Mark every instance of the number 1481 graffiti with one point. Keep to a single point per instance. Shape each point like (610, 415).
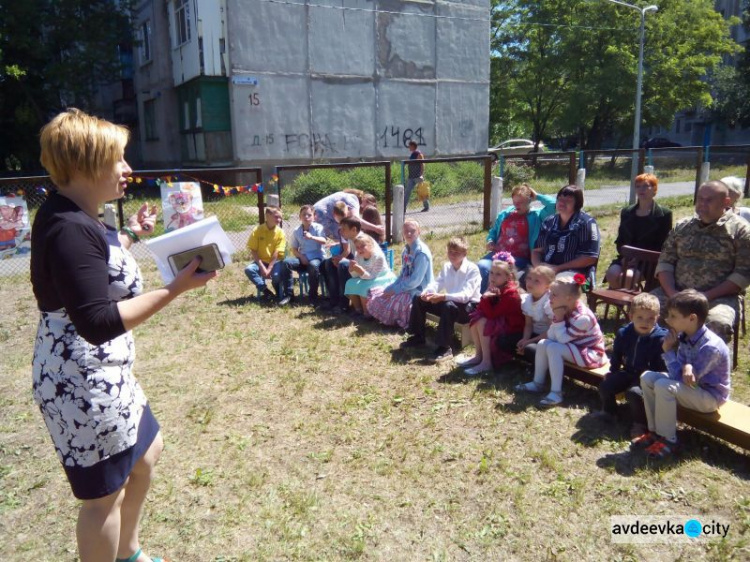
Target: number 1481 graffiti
(399, 138)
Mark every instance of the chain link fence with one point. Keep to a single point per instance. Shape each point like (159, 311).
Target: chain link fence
(234, 195)
(459, 194)
(299, 185)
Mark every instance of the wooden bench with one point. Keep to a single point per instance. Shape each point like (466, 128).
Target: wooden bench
(731, 422)
(463, 331)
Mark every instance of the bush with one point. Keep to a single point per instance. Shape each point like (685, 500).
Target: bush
(312, 186)
(368, 179)
(516, 174)
(470, 176)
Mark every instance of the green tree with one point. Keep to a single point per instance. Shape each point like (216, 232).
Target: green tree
(731, 86)
(54, 54)
(574, 62)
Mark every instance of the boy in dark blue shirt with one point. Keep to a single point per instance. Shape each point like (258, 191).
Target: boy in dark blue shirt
(637, 348)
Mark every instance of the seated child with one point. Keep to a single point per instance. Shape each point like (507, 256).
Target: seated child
(368, 269)
(497, 323)
(267, 244)
(336, 268)
(392, 305)
(451, 296)
(536, 309)
(307, 247)
(697, 377)
(637, 348)
(574, 336)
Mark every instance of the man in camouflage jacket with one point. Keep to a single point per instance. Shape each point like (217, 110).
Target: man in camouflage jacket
(710, 253)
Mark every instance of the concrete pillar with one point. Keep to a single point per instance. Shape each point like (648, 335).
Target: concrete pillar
(272, 199)
(397, 218)
(496, 198)
(110, 215)
(705, 171)
(581, 178)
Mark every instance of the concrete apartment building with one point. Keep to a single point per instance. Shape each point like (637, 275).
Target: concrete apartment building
(693, 127)
(258, 82)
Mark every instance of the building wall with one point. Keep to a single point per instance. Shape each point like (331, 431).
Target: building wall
(356, 78)
(154, 83)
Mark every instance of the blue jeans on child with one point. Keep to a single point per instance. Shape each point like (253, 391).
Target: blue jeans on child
(253, 273)
(335, 279)
(485, 264)
(313, 274)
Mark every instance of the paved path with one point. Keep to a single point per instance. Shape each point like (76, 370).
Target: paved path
(440, 220)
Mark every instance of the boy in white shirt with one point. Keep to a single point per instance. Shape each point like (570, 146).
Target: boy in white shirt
(451, 296)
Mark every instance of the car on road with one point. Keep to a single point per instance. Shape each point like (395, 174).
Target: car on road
(514, 147)
(660, 142)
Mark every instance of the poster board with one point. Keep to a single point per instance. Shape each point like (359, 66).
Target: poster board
(182, 204)
(15, 228)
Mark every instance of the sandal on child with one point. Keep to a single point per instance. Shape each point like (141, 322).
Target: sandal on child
(478, 370)
(662, 449)
(552, 399)
(468, 361)
(136, 556)
(528, 387)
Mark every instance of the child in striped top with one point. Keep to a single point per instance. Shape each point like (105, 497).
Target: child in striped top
(573, 336)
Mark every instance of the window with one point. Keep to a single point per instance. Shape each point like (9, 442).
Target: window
(149, 119)
(145, 41)
(182, 21)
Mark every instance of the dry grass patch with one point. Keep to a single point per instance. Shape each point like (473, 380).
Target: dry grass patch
(291, 435)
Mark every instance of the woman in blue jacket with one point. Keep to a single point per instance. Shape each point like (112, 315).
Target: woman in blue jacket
(516, 229)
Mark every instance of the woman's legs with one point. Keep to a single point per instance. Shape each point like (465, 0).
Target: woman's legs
(98, 527)
(135, 496)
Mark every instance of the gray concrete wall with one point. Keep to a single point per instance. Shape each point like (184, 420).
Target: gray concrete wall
(338, 79)
(153, 81)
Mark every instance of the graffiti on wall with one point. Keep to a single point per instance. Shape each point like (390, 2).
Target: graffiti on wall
(394, 136)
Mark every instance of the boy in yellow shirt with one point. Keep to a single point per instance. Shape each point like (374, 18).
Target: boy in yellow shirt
(267, 244)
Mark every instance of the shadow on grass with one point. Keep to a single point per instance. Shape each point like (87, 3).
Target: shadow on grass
(242, 301)
(694, 446)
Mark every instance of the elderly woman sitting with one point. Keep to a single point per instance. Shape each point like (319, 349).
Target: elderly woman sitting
(736, 187)
(516, 229)
(643, 225)
(568, 241)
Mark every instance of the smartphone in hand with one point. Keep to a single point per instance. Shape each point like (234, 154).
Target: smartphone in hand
(211, 259)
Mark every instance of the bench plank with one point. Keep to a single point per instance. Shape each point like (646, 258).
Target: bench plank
(731, 422)
(463, 330)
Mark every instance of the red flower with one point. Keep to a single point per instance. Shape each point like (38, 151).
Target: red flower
(579, 278)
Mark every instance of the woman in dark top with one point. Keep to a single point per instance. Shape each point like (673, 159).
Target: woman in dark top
(89, 292)
(568, 241)
(643, 225)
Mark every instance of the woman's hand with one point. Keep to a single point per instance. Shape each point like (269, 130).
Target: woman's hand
(187, 279)
(143, 222)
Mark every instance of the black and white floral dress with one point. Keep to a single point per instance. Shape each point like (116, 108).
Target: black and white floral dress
(94, 408)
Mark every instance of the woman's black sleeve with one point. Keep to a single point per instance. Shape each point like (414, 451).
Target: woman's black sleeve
(78, 264)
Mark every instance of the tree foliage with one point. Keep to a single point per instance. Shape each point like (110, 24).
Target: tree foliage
(731, 86)
(53, 54)
(571, 65)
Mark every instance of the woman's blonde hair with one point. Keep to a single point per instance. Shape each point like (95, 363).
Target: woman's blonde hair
(77, 143)
(508, 268)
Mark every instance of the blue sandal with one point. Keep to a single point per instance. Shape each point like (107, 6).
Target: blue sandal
(135, 557)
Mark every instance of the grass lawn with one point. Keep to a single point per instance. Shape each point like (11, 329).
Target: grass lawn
(291, 435)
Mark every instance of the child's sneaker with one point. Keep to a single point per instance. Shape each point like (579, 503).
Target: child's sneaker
(637, 429)
(643, 440)
(662, 449)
